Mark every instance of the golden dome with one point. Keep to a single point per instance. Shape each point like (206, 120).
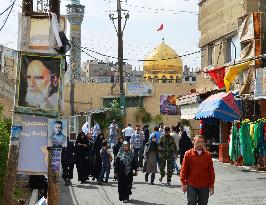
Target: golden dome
(163, 59)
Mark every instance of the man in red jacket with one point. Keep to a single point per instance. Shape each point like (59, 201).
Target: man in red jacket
(197, 173)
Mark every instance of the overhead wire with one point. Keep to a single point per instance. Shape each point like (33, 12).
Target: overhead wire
(7, 17)
(12, 4)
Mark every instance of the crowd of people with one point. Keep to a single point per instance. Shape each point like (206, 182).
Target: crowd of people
(134, 150)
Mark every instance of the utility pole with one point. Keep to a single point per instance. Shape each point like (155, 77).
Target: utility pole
(120, 31)
(120, 58)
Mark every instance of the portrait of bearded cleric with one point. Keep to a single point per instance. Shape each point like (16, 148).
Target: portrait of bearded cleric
(39, 82)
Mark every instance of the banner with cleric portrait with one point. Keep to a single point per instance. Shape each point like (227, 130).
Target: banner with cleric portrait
(39, 88)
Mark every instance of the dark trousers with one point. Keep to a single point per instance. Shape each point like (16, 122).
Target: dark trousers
(197, 196)
(152, 177)
(106, 171)
(67, 171)
(138, 154)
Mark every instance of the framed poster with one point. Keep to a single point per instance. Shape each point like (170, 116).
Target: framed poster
(168, 105)
(39, 89)
(57, 133)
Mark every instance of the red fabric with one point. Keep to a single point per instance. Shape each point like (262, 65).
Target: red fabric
(197, 170)
(217, 74)
(160, 28)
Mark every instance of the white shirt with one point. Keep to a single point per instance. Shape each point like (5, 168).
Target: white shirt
(96, 130)
(187, 129)
(128, 131)
(177, 138)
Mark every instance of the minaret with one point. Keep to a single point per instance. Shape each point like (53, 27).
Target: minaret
(75, 14)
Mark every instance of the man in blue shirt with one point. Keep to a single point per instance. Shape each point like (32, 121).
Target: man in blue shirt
(156, 134)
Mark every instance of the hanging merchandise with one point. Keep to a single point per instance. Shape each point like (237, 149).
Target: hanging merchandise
(201, 127)
(247, 149)
(234, 145)
(233, 72)
(217, 74)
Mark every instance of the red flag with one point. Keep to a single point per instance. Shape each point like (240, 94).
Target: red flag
(217, 74)
(160, 28)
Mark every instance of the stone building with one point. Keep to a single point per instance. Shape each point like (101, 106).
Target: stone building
(8, 64)
(219, 21)
(104, 72)
(94, 96)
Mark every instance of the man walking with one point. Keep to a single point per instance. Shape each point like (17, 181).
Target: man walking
(197, 173)
(128, 131)
(113, 131)
(137, 146)
(167, 152)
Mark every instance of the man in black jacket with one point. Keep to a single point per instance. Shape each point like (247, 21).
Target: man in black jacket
(68, 161)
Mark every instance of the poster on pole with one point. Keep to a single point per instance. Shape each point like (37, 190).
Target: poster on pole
(56, 161)
(57, 133)
(33, 154)
(168, 105)
(39, 84)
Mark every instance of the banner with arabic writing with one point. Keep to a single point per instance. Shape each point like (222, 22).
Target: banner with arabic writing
(33, 154)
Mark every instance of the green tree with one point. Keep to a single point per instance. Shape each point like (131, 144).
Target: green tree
(141, 115)
(5, 127)
(157, 119)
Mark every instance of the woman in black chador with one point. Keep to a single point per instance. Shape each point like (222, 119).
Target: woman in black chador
(97, 168)
(124, 166)
(81, 155)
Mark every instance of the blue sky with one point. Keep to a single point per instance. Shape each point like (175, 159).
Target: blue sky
(140, 37)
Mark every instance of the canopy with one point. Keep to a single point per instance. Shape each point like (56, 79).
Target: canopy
(220, 106)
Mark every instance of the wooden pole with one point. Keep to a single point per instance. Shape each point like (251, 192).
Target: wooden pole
(10, 179)
(53, 183)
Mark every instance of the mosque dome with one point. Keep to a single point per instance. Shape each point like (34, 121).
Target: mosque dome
(163, 59)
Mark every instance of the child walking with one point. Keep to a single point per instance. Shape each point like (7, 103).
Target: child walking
(106, 163)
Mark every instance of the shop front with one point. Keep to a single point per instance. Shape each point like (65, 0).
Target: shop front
(217, 113)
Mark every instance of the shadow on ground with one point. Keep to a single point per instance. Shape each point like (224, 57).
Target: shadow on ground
(134, 201)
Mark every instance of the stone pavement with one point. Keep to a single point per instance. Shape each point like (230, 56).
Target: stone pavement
(234, 185)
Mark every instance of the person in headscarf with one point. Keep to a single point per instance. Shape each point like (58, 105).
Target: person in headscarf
(89, 157)
(124, 166)
(150, 156)
(185, 144)
(81, 155)
(97, 168)
(116, 149)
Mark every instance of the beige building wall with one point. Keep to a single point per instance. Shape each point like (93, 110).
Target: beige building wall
(218, 21)
(91, 95)
(218, 18)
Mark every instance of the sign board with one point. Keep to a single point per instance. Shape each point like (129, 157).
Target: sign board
(33, 154)
(139, 89)
(260, 87)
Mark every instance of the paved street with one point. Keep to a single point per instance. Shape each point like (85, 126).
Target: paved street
(233, 185)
